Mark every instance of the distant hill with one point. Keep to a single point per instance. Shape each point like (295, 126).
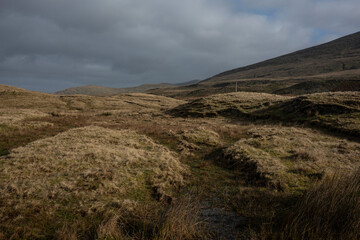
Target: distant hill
(88, 90)
(107, 91)
(332, 66)
(317, 69)
(338, 55)
(192, 82)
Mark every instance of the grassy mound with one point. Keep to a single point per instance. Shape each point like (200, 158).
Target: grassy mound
(149, 100)
(314, 86)
(12, 97)
(17, 98)
(353, 85)
(120, 104)
(193, 139)
(201, 136)
(16, 117)
(323, 104)
(336, 111)
(288, 158)
(230, 104)
(79, 174)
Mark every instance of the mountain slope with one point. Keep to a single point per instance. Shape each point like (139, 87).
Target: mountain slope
(88, 90)
(106, 91)
(338, 60)
(338, 55)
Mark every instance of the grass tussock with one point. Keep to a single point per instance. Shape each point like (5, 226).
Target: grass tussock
(191, 140)
(182, 222)
(15, 117)
(328, 211)
(288, 158)
(201, 136)
(78, 174)
(178, 221)
(260, 205)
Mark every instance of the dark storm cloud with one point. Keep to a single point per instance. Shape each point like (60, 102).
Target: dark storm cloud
(51, 44)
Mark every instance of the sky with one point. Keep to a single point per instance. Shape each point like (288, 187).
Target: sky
(50, 45)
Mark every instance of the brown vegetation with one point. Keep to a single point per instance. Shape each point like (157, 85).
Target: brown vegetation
(178, 221)
(329, 210)
(122, 167)
(238, 104)
(288, 158)
(334, 111)
(82, 172)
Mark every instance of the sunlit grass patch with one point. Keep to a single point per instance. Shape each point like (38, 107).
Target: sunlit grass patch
(288, 158)
(81, 172)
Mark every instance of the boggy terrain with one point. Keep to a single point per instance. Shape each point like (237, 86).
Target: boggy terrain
(139, 166)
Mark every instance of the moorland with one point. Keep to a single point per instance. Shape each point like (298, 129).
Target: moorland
(278, 159)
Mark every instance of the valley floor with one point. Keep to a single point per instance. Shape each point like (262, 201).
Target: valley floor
(139, 166)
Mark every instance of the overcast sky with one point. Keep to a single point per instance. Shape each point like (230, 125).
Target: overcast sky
(50, 45)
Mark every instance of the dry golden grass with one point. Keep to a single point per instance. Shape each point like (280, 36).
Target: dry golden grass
(15, 117)
(328, 211)
(26, 116)
(82, 172)
(16, 98)
(201, 136)
(128, 221)
(99, 169)
(120, 104)
(312, 105)
(191, 140)
(332, 111)
(12, 97)
(335, 111)
(178, 221)
(289, 158)
(347, 99)
(230, 104)
(31, 129)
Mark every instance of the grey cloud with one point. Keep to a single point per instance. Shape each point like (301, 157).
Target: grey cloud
(50, 45)
(338, 16)
(341, 17)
